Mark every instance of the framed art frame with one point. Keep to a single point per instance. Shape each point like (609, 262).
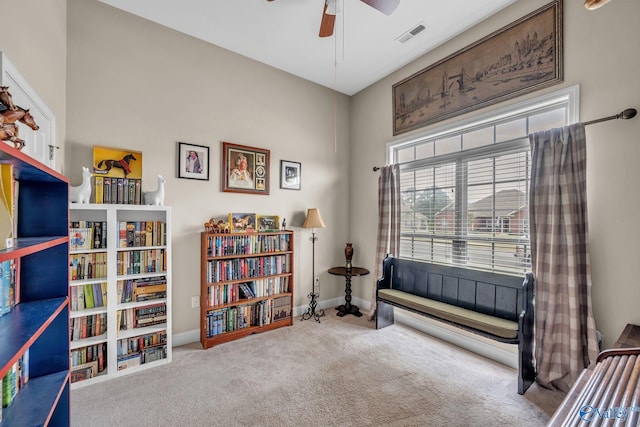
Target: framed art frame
(193, 161)
(245, 169)
(117, 162)
(290, 175)
(242, 222)
(268, 223)
(519, 58)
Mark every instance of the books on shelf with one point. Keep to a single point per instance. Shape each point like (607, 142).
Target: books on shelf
(222, 270)
(80, 238)
(142, 349)
(8, 288)
(141, 233)
(92, 356)
(137, 276)
(141, 261)
(7, 205)
(111, 190)
(85, 235)
(140, 317)
(88, 266)
(281, 308)
(14, 380)
(260, 313)
(89, 295)
(228, 293)
(143, 289)
(84, 372)
(246, 244)
(87, 326)
(246, 285)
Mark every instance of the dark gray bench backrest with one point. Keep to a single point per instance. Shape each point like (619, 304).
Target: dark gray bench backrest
(495, 294)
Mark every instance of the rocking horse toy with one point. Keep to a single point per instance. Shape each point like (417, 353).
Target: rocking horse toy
(123, 164)
(6, 99)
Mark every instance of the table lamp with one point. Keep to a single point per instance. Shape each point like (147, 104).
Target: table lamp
(313, 221)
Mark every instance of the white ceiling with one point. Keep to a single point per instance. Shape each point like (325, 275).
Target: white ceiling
(284, 33)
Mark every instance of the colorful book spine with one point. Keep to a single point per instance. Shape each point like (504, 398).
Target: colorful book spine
(7, 286)
(99, 189)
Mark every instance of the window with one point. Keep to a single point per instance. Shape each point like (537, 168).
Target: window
(465, 189)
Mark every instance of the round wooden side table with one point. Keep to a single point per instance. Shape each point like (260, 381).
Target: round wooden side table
(347, 307)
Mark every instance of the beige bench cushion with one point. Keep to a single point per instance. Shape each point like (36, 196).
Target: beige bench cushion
(494, 325)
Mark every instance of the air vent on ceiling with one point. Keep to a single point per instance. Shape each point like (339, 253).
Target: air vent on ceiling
(412, 33)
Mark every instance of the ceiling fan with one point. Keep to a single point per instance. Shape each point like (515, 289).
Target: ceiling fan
(327, 23)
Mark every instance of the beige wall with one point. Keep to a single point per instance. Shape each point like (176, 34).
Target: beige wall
(127, 89)
(600, 57)
(34, 38)
(135, 84)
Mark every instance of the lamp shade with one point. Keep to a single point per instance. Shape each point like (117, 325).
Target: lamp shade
(313, 219)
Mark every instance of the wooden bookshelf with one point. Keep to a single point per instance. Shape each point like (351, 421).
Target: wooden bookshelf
(38, 322)
(246, 284)
(123, 260)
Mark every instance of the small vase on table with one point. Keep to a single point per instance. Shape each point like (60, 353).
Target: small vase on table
(348, 254)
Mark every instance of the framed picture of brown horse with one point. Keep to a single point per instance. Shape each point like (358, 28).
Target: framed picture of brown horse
(117, 163)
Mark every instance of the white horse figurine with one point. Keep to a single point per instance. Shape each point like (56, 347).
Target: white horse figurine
(155, 197)
(82, 193)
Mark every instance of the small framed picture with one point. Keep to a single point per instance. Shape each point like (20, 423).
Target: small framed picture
(242, 222)
(268, 223)
(290, 175)
(193, 161)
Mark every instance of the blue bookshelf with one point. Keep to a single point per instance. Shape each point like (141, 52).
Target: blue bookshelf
(39, 322)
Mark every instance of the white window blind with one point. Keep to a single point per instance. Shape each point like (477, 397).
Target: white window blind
(465, 191)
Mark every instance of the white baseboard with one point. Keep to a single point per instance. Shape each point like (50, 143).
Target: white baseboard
(184, 338)
(332, 304)
(507, 354)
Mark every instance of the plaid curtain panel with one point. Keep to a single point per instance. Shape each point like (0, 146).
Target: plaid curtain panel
(565, 332)
(388, 222)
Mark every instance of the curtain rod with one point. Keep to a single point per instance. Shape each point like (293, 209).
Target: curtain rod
(629, 113)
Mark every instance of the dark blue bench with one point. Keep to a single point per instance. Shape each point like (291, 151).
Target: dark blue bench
(497, 306)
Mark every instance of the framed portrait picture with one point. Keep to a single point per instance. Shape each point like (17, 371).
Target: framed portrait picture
(245, 169)
(193, 161)
(290, 175)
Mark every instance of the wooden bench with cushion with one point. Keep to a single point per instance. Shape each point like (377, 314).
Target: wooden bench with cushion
(497, 306)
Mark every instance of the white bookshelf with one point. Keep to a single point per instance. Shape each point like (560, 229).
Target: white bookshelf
(113, 215)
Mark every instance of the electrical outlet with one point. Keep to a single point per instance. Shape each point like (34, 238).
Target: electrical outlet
(195, 301)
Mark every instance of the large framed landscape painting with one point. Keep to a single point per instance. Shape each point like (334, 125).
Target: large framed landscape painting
(524, 56)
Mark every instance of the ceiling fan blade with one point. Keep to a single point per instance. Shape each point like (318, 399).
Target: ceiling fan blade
(327, 23)
(385, 6)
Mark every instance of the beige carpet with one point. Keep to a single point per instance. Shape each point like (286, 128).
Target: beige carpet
(340, 372)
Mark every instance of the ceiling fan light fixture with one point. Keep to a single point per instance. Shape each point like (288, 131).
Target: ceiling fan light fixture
(594, 4)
